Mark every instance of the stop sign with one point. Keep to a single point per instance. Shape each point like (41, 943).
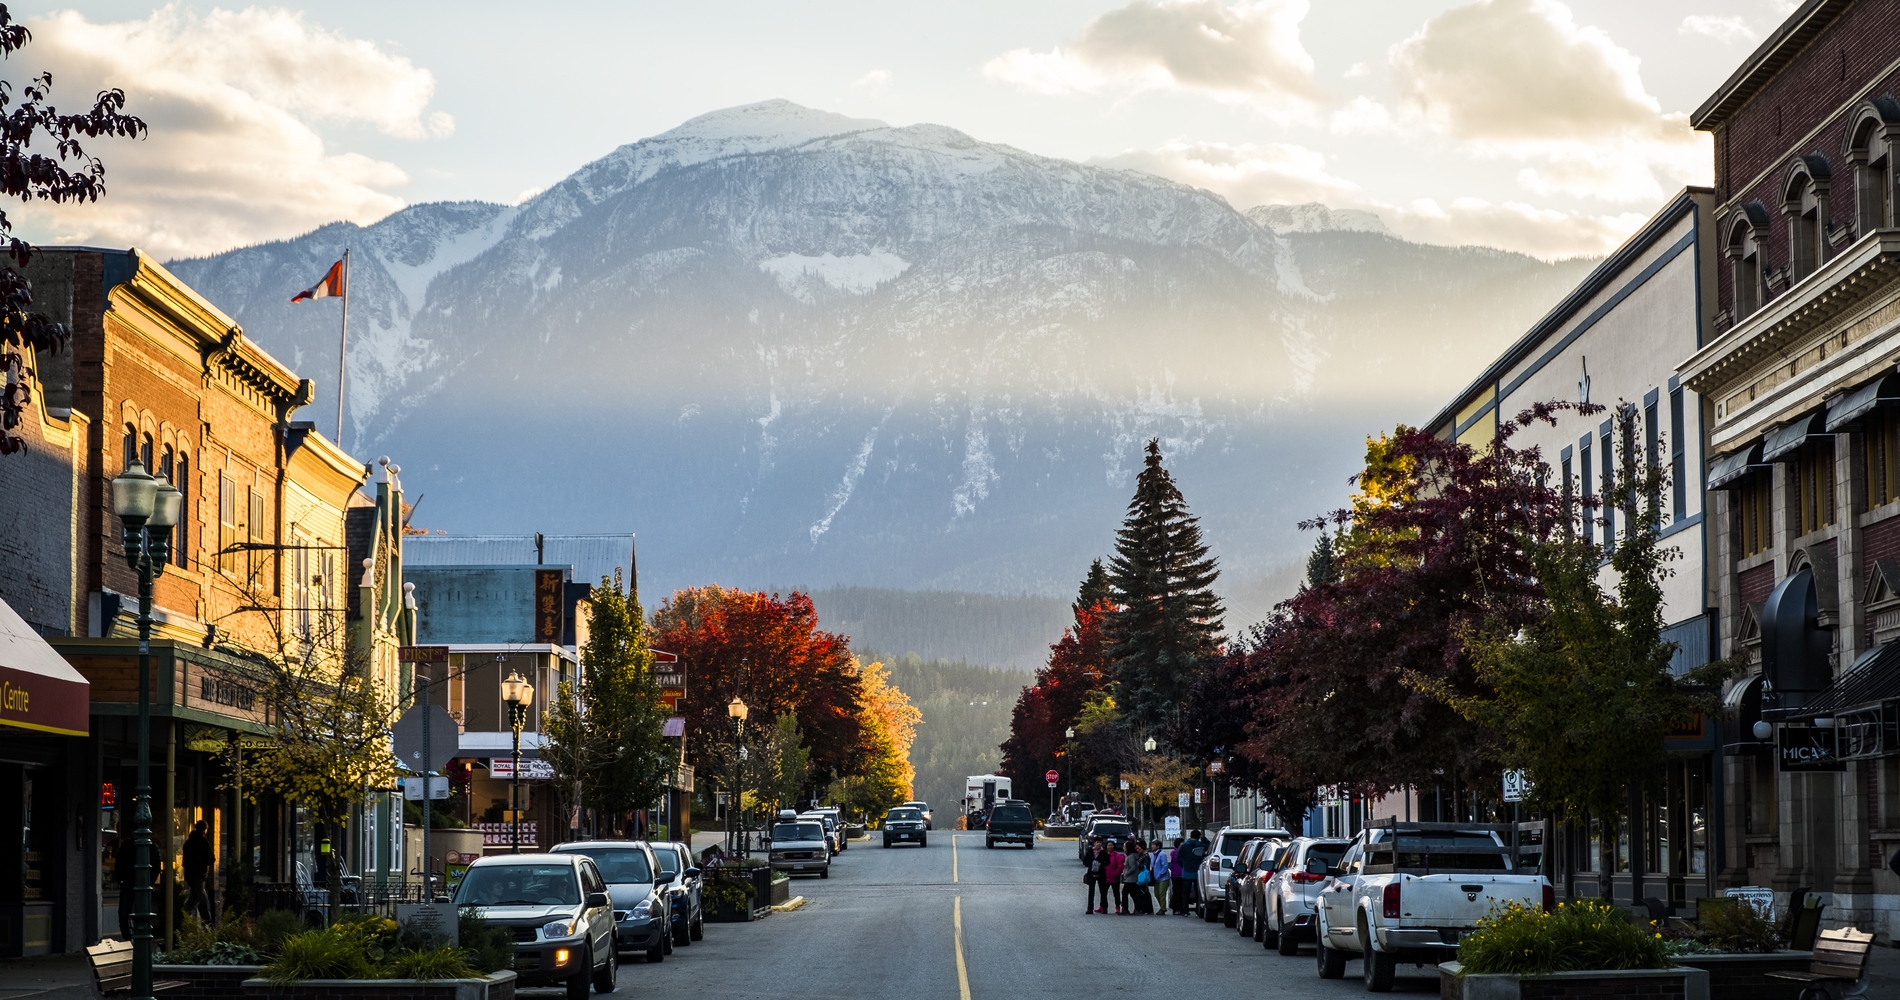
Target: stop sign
(1051, 776)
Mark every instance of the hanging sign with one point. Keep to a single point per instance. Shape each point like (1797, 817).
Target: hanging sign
(532, 769)
(1808, 748)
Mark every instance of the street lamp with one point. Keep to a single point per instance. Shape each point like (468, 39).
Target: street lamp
(737, 710)
(1150, 745)
(519, 694)
(1068, 755)
(147, 509)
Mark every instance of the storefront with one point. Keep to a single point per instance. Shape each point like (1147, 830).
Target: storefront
(43, 722)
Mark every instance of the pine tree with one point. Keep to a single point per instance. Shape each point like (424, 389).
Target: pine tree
(1321, 567)
(1095, 590)
(1168, 619)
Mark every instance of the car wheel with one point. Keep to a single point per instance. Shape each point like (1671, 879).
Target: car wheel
(685, 935)
(1289, 941)
(1332, 963)
(991, 844)
(826, 873)
(1260, 927)
(923, 841)
(667, 941)
(887, 841)
(1380, 966)
(607, 977)
(1227, 915)
(1031, 844)
(657, 953)
(578, 984)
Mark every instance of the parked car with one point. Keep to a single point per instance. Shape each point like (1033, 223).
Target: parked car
(905, 825)
(1108, 826)
(923, 807)
(686, 899)
(1292, 891)
(1251, 869)
(1211, 876)
(638, 887)
(1406, 893)
(559, 910)
(799, 847)
(837, 825)
(1011, 822)
(834, 834)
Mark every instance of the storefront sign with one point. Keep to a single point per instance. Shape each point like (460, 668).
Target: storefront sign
(422, 654)
(1808, 748)
(1691, 728)
(532, 769)
(548, 588)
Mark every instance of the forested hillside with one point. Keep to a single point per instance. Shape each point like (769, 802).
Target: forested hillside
(946, 625)
(966, 718)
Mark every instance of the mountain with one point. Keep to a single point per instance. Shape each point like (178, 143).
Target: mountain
(1013, 631)
(783, 344)
(1314, 217)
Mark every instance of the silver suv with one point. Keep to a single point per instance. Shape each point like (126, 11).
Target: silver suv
(558, 909)
(1221, 852)
(799, 846)
(1292, 892)
(638, 884)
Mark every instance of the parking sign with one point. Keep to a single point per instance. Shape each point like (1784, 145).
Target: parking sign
(1516, 786)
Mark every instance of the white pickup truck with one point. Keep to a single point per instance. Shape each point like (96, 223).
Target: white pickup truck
(1407, 893)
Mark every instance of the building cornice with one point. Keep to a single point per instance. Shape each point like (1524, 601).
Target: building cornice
(221, 345)
(1769, 58)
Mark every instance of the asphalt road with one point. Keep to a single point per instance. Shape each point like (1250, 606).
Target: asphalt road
(896, 924)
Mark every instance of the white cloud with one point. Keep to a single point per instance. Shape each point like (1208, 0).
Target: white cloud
(1726, 29)
(1246, 175)
(876, 79)
(1248, 52)
(232, 99)
(1521, 79)
(1540, 232)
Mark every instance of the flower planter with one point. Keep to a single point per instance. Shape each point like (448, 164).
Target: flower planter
(205, 982)
(1745, 977)
(780, 890)
(1659, 984)
(496, 986)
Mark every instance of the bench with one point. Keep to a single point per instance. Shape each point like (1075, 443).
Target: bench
(1840, 959)
(111, 962)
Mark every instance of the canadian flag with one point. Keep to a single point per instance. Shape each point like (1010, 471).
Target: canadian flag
(330, 287)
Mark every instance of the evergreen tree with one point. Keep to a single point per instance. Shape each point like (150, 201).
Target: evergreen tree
(1167, 621)
(1095, 591)
(1321, 567)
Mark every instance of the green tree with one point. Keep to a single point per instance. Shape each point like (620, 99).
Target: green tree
(1168, 620)
(1321, 567)
(784, 763)
(605, 735)
(1095, 592)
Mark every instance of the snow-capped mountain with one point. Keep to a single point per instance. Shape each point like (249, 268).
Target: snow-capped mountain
(786, 345)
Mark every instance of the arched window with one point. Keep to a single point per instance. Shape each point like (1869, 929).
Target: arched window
(1876, 125)
(130, 446)
(145, 451)
(181, 535)
(1804, 202)
(1747, 237)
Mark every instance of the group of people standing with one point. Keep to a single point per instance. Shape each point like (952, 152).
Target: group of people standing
(1125, 871)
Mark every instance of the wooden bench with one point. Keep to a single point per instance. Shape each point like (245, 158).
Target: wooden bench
(1840, 959)
(111, 962)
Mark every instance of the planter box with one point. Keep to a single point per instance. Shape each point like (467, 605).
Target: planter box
(780, 890)
(1659, 984)
(497, 986)
(769, 888)
(205, 982)
(1745, 977)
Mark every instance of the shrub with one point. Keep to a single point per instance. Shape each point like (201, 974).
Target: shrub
(489, 949)
(273, 928)
(322, 954)
(445, 962)
(1585, 934)
(1733, 925)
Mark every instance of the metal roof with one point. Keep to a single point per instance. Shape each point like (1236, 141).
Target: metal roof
(592, 556)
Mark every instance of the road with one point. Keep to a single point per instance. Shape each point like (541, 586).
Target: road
(896, 925)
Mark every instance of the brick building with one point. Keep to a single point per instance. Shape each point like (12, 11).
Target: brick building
(1800, 392)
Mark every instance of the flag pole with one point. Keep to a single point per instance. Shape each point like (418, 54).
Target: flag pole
(343, 348)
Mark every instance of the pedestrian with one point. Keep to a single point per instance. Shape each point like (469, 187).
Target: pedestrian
(1160, 860)
(1177, 874)
(1096, 875)
(1116, 861)
(1191, 871)
(198, 864)
(123, 858)
(1135, 879)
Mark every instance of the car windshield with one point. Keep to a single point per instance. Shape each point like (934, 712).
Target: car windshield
(1015, 814)
(519, 885)
(669, 859)
(798, 831)
(619, 865)
(1231, 844)
(1329, 853)
(1111, 831)
(903, 815)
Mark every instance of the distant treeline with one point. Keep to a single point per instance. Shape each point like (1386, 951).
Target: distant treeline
(966, 718)
(947, 625)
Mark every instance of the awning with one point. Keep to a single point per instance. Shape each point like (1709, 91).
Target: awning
(1782, 444)
(38, 689)
(1874, 676)
(1726, 472)
(1854, 405)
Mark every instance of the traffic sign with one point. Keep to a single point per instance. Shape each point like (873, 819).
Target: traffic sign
(1052, 777)
(443, 737)
(412, 788)
(1052, 784)
(1517, 787)
(1182, 800)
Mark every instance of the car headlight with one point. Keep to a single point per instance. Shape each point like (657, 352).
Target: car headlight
(561, 928)
(642, 909)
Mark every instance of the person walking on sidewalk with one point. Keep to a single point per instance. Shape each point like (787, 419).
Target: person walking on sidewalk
(199, 861)
(1096, 876)
(1135, 877)
(1160, 865)
(1116, 862)
(1177, 861)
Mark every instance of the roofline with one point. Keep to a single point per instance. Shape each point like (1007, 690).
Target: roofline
(1555, 320)
(1767, 60)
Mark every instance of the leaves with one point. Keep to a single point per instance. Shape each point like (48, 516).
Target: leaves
(606, 736)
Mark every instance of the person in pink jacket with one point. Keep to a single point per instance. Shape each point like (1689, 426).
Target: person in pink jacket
(1116, 861)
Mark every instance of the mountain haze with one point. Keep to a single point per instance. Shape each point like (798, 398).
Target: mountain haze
(783, 344)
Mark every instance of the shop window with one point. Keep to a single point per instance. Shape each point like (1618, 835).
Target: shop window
(1754, 512)
(1882, 437)
(1814, 484)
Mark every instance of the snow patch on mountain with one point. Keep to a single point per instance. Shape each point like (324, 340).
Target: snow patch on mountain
(1314, 217)
(852, 473)
(859, 274)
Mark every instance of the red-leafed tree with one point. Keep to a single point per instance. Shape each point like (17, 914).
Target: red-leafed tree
(770, 652)
(1077, 669)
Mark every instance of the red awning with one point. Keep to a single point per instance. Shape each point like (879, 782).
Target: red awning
(38, 688)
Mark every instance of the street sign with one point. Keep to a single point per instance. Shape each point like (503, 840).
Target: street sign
(532, 769)
(1052, 784)
(443, 737)
(1200, 796)
(412, 788)
(1051, 777)
(1172, 826)
(1124, 784)
(1182, 800)
(1517, 787)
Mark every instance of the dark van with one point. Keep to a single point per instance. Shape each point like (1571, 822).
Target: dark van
(1011, 822)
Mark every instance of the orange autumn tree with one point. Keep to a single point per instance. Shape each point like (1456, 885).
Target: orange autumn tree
(888, 727)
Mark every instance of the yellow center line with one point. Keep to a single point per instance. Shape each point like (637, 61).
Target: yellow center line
(953, 857)
(956, 923)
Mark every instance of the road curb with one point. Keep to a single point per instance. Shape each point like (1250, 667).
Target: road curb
(789, 905)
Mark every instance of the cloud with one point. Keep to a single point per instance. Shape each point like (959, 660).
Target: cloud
(1521, 79)
(1248, 52)
(876, 79)
(233, 100)
(1246, 175)
(1540, 232)
(1727, 29)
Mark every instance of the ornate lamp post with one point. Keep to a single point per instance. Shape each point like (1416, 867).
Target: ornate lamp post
(147, 509)
(737, 710)
(519, 694)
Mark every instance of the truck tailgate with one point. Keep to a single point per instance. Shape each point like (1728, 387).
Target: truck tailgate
(1461, 900)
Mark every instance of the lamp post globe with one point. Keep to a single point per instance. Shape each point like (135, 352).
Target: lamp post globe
(519, 694)
(736, 709)
(1150, 745)
(134, 493)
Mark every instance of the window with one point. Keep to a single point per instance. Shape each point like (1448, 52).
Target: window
(1747, 234)
(255, 535)
(1754, 509)
(1678, 456)
(145, 451)
(1873, 190)
(300, 586)
(1804, 203)
(1883, 457)
(181, 535)
(1609, 488)
(1652, 435)
(129, 446)
(1569, 479)
(227, 521)
(168, 471)
(1589, 516)
(1814, 479)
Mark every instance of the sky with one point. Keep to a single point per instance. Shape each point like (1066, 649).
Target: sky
(1550, 128)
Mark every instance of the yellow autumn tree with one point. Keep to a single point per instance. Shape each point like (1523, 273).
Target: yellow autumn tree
(888, 723)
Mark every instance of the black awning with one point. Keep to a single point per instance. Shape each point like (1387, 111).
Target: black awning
(1782, 443)
(1883, 391)
(1874, 676)
(1726, 472)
